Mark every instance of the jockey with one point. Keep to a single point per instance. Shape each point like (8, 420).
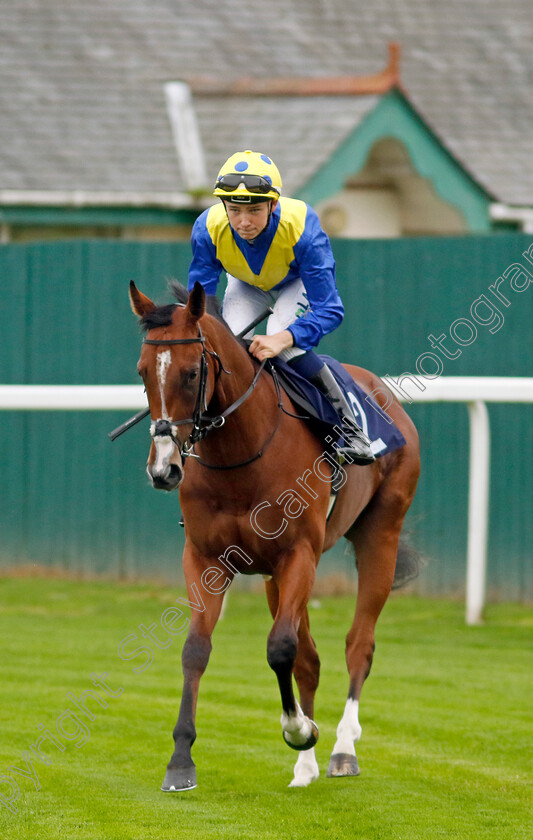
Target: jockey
(275, 253)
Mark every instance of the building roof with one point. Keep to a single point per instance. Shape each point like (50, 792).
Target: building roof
(83, 102)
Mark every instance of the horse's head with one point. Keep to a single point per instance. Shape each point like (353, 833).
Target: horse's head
(178, 381)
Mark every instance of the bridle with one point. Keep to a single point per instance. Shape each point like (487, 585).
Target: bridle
(203, 423)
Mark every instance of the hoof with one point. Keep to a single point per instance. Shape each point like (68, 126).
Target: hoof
(342, 764)
(305, 745)
(177, 778)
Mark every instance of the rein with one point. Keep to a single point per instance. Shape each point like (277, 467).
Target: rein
(203, 423)
(235, 405)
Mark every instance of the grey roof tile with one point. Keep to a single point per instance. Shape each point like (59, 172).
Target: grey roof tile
(83, 107)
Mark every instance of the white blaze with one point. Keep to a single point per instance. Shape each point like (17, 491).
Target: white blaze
(164, 448)
(162, 366)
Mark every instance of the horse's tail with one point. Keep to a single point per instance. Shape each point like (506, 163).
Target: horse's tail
(409, 561)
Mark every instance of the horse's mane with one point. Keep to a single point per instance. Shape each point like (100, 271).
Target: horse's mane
(161, 316)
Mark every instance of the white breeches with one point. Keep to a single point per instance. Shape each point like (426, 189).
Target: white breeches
(243, 302)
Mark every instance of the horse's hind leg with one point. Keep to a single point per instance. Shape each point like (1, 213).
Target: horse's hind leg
(375, 539)
(294, 581)
(306, 672)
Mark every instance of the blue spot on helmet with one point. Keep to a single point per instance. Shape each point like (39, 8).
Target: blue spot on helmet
(250, 163)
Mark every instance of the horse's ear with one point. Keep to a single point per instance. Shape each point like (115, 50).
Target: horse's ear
(196, 302)
(140, 304)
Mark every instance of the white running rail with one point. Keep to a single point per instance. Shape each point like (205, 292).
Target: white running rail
(475, 391)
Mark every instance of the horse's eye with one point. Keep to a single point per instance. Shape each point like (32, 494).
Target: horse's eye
(191, 376)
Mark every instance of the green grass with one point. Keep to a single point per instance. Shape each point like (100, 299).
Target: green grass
(446, 718)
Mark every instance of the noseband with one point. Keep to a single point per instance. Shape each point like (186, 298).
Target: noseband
(201, 422)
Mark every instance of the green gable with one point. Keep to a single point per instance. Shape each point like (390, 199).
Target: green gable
(396, 117)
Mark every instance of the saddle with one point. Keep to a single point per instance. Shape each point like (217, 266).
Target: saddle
(321, 416)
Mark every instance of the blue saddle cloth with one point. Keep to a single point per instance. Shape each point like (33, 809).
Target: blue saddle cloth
(383, 434)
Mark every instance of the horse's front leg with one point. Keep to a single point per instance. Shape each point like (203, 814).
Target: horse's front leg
(294, 583)
(181, 771)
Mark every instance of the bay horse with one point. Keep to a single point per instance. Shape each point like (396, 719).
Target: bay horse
(254, 485)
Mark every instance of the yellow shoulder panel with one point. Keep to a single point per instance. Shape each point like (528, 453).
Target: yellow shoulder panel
(281, 252)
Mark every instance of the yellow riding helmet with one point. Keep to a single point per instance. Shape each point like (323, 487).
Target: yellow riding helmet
(247, 177)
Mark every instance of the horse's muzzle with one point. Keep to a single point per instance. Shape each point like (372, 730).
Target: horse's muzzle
(168, 480)
(164, 467)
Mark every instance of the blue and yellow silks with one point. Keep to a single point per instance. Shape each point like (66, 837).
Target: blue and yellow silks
(292, 246)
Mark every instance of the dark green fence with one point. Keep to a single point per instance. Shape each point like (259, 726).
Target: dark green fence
(73, 500)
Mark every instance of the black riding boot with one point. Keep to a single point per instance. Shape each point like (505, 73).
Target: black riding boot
(356, 444)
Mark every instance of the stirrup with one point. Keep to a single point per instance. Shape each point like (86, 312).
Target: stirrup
(354, 456)
(356, 447)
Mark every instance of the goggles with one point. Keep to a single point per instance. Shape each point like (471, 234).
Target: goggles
(253, 183)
